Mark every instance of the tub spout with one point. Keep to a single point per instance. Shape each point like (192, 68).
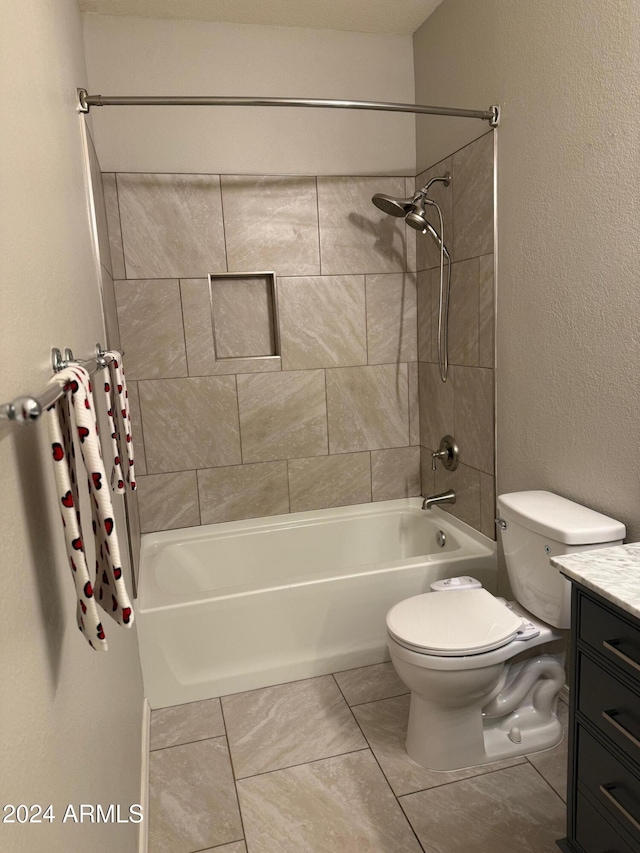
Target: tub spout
(443, 498)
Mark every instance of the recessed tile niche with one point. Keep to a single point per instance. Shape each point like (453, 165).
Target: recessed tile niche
(244, 315)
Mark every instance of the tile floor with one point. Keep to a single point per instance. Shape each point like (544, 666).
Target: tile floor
(319, 766)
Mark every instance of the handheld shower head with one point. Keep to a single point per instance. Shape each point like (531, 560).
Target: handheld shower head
(392, 206)
(417, 217)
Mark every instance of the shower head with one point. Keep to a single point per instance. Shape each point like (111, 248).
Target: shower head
(417, 217)
(392, 206)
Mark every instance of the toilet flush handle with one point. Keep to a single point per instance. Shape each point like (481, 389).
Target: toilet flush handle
(501, 523)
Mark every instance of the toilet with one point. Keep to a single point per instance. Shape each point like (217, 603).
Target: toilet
(485, 674)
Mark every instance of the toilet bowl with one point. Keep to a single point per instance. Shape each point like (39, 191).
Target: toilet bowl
(485, 674)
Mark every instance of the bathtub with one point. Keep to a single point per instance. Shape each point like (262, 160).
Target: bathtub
(230, 607)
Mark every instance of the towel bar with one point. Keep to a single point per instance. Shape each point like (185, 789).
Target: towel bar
(26, 409)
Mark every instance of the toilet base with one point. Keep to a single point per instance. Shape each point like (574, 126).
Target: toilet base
(518, 717)
(536, 735)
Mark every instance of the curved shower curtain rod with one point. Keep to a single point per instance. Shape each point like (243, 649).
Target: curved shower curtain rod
(86, 101)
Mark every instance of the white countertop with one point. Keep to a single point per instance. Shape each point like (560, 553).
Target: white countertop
(614, 573)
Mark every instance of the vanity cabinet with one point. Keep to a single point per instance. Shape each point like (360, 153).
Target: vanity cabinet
(603, 803)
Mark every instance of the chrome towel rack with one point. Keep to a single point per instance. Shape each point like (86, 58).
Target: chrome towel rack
(24, 410)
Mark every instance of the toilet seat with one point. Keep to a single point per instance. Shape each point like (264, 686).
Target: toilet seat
(453, 624)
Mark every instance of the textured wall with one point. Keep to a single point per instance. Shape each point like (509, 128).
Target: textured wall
(335, 420)
(70, 718)
(568, 251)
(138, 56)
(464, 405)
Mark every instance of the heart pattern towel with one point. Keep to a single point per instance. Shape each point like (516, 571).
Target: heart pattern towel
(73, 433)
(119, 419)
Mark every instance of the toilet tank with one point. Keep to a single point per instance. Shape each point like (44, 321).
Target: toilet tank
(540, 525)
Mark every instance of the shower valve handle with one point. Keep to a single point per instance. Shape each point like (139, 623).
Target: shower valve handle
(447, 452)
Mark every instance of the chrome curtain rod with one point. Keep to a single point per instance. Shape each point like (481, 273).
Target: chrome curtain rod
(86, 101)
(24, 410)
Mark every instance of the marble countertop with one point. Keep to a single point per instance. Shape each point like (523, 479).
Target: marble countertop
(614, 573)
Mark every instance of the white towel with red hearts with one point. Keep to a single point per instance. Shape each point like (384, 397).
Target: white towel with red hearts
(119, 419)
(73, 432)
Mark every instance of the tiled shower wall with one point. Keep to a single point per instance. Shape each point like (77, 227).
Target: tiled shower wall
(464, 405)
(335, 420)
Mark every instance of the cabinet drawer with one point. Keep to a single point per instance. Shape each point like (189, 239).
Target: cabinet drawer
(611, 636)
(611, 706)
(593, 833)
(610, 784)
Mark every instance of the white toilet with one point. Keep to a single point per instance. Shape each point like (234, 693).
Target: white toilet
(485, 674)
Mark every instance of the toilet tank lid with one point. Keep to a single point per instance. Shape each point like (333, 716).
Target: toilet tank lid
(560, 519)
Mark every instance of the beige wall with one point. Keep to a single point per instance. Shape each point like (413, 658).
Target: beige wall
(70, 718)
(138, 56)
(568, 251)
(334, 419)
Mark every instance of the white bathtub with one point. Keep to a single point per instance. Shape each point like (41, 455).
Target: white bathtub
(245, 604)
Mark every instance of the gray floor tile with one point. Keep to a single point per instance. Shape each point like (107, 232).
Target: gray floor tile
(236, 847)
(289, 724)
(338, 805)
(192, 798)
(552, 763)
(369, 683)
(185, 723)
(384, 724)
(502, 812)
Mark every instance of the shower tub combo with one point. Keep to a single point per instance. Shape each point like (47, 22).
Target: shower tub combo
(235, 606)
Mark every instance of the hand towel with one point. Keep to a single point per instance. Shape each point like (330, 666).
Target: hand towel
(119, 416)
(73, 428)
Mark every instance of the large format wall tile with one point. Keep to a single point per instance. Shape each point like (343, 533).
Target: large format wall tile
(395, 473)
(282, 415)
(110, 310)
(356, 237)
(190, 423)
(171, 225)
(167, 501)
(474, 416)
(391, 318)
(486, 312)
(150, 320)
(411, 235)
(113, 224)
(465, 482)
(425, 318)
(427, 250)
(436, 405)
(243, 491)
(428, 476)
(184, 816)
(322, 321)
(198, 326)
(473, 199)
(332, 806)
(368, 407)
(198, 335)
(137, 435)
(463, 313)
(325, 481)
(414, 403)
(271, 223)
